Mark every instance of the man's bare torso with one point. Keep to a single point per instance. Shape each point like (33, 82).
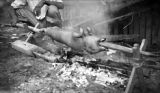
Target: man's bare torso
(31, 3)
(20, 3)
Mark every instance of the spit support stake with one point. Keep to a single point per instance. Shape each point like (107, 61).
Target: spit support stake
(137, 72)
(30, 34)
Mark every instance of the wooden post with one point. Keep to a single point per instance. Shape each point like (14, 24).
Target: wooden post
(143, 45)
(137, 71)
(131, 82)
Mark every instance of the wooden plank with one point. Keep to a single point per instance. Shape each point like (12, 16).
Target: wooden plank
(125, 31)
(131, 27)
(116, 28)
(136, 27)
(143, 45)
(149, 28)
(136, 71)
(131, 82)
(158, 33)
(155, 27)
(158, 36)
(142, 25)
(141, 80)
(112, 28)
(120, 28)
(125, 27)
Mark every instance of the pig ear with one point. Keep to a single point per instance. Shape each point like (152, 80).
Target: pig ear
(81, 30)
(78, 35)
(89, 31)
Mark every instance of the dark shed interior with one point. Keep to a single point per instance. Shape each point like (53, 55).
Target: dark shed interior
(116, 17)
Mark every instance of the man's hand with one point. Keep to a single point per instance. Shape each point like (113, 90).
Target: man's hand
(37, 9)
(35, 29)
(58, 3)
(43, 12)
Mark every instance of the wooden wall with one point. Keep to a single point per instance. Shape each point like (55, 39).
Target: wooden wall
(90, 12)
(145, 24)
(83, 13)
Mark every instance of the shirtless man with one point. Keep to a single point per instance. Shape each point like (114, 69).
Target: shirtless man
(40, 11)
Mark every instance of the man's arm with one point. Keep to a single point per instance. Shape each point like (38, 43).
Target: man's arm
(58, 3)
(18, 4)
(38, 7)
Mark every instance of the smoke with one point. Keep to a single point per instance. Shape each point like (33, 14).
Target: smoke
(83, 13)
(93, 13)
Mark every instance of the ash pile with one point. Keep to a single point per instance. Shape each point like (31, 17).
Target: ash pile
(81, 74)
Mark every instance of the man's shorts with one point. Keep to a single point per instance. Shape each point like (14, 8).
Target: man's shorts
(25, 14)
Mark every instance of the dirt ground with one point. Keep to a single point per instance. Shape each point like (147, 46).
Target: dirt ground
(23, 74)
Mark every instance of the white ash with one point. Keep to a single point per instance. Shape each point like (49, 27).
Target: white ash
(78, 75)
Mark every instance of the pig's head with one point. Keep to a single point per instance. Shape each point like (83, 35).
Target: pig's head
(90, 41)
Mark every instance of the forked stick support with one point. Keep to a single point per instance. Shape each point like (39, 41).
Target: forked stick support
(137, 72)
(30, 34)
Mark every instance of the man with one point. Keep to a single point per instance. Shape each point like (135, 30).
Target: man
(43, 12)
(40, 11)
